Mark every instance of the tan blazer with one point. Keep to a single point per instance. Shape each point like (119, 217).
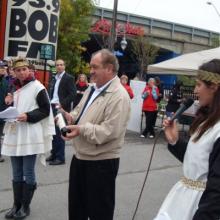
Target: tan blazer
(103, 125)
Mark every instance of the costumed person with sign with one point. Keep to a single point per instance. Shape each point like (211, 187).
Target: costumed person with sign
(26, 137)
(197, 195)
(100, 121)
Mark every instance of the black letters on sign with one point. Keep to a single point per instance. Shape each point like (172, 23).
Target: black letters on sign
(37, 3)
(17, 28)
(19, 2)
(36, 26)
(56, 5)
(53, 29)
(14, 46)
(38, 34)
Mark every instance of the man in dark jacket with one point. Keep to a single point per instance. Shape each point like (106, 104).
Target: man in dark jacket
(3, 93)
(174, 99)
(62, 93)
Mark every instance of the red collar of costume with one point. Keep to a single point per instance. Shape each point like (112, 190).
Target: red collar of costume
(18, 84)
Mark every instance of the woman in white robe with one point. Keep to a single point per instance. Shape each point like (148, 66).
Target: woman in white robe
(26, 137)
(197, 195)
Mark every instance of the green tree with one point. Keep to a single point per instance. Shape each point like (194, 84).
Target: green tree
(187, 80)
(74, 27)
(145, 54)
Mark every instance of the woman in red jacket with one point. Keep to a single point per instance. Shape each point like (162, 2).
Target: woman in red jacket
(81, 86)
(150, 96)
(124, 82)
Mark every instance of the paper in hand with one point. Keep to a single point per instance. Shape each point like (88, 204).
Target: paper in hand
(9, 113)
(162, 216)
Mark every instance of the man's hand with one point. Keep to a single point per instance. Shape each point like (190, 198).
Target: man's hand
(74, 132)
(68, 117)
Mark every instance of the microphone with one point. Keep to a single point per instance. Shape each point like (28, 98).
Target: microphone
(185, 105)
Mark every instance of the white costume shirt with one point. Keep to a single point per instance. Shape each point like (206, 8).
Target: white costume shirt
(182, 202)
(24, 138)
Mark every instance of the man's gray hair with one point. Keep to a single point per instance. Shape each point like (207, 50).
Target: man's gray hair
(108, 58)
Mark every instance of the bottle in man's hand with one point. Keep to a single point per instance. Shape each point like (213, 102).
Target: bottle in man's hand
(62, 124)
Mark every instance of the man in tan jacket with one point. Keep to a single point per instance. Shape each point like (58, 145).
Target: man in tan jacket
(100, 122)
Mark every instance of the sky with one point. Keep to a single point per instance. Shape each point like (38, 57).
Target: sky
(195, 13)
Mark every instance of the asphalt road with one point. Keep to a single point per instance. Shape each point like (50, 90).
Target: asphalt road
(50, 199)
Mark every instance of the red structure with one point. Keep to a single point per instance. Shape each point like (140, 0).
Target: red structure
(103, 26)
(3, 13)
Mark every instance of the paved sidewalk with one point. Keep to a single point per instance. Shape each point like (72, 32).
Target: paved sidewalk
(50, 199)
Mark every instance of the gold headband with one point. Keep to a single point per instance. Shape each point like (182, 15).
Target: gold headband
(208, 76)
(20, 62)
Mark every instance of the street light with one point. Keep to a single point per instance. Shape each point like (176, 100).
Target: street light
(213, 5)
(123, 43)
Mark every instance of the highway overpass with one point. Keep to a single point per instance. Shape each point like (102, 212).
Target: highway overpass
(167, 35)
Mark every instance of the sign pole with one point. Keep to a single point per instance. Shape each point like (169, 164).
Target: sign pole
(46, 53)
(45, 72)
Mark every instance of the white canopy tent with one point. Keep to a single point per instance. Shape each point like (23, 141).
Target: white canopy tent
(186, 64)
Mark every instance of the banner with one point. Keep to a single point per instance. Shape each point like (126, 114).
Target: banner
(134, 123)
(31, 24)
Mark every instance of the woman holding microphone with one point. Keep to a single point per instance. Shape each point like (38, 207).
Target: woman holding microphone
(197, 195)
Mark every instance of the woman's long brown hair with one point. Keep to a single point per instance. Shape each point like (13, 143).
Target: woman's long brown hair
(207, 116)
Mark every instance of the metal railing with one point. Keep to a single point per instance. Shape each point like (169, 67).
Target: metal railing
(187, 91)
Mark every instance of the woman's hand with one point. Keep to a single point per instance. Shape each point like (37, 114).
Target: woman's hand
(22, 117)
(171, 131)
(9, 99)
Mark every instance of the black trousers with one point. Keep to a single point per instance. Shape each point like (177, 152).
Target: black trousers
(92, 189)
(2, 123)
(58, 144)
(150, 121)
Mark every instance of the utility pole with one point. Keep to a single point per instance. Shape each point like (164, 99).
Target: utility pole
(113, 29)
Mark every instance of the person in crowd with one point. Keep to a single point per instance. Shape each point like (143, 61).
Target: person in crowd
(149, 107)
(26, 137)
(174, 99)
(98, 132)
(81, 85)
(11, 75)
(91, 81)
(197, 195)
(3, 93)
(32, 70)
(160, 96)
(124, 82)
(62, 93)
